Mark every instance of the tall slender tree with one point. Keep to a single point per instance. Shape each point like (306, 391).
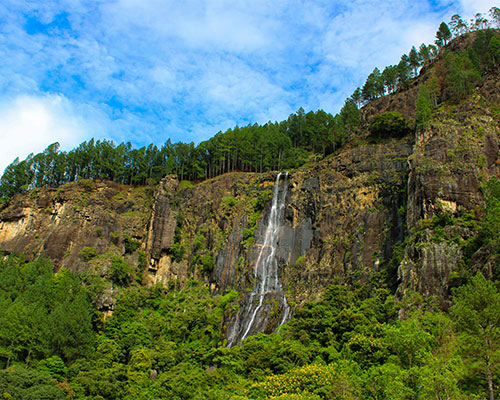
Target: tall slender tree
(414, 59)
(457, 25)
(443, 35)
(475, 311)
(495, 16)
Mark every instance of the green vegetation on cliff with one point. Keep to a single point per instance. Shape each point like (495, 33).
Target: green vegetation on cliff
(167, 343)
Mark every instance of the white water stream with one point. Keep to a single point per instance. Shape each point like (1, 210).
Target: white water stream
(266, 267)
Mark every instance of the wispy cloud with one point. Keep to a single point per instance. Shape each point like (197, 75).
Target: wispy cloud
(147, 70)
(469, 8)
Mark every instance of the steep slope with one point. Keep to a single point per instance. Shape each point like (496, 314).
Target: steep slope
(395, 209)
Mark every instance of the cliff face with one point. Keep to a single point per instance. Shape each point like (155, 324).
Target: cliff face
(344, 216)
(61, 223)
(341, 218)
(452, 159)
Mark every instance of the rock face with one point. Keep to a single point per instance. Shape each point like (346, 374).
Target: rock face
(340, 219)
(61, 223)
(161, 229)
(453, 157)
(267, 299)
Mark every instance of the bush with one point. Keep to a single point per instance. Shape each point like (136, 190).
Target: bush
(389, 124)
(177, 251)
(120, 271)
(23, 383)
(130, 244)
(54, 367)
(208, 263)
(88, 253)
(228, 202)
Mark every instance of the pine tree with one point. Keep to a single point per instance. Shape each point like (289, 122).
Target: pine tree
(374, 86)
(414, 59)
(476, 315)
(424, 54)
(390, 77)
(443, 35)
(458, 26)
(495, 16)
(356, 96)
(404, 70)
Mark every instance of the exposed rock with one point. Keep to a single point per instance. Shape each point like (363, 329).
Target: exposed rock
(61, 223)
(162, 226)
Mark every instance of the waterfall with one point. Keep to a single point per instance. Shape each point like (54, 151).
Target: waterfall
(253, 317)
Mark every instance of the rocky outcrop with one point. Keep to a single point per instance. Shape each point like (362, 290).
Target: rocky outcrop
(60, 223)
(453, 157)
(161, 230)
(340, 221)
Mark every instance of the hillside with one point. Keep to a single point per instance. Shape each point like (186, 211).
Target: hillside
(378, 248)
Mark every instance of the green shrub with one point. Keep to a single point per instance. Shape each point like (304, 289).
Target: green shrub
(87, 184)
(185, 185)
(177, 251)
(199, 242)
(130, 244)
(389, 124)
(207, 262)
(54, 367)
(228, 202)
(88, 253)
(262, 199)
(120, 271)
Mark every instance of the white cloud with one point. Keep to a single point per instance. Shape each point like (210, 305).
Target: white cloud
(233, 25)
(29, 124)
(471, 7)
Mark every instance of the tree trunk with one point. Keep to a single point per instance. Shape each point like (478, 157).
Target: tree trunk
(490, 378)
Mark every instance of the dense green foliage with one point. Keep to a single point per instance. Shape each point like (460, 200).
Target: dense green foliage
(163, 342)
(168, 343)
(389, 124)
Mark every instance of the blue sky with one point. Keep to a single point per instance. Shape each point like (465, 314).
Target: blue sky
(145, 71)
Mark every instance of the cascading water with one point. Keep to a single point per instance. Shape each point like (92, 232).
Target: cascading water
(253, 317)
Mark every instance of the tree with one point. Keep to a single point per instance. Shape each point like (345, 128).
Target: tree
(494, 49)
(433, 51)
(356, 96)
(424, 54)
(443, 35)
(475, 311)
(23, 383)
(374, 86)
(414, 59)
(495, 16)
(462, 75)
(479, 22)
(458, 26)
(390, 78)
(424, 108)
(404, 70)
(350, 114)
(434, 90)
